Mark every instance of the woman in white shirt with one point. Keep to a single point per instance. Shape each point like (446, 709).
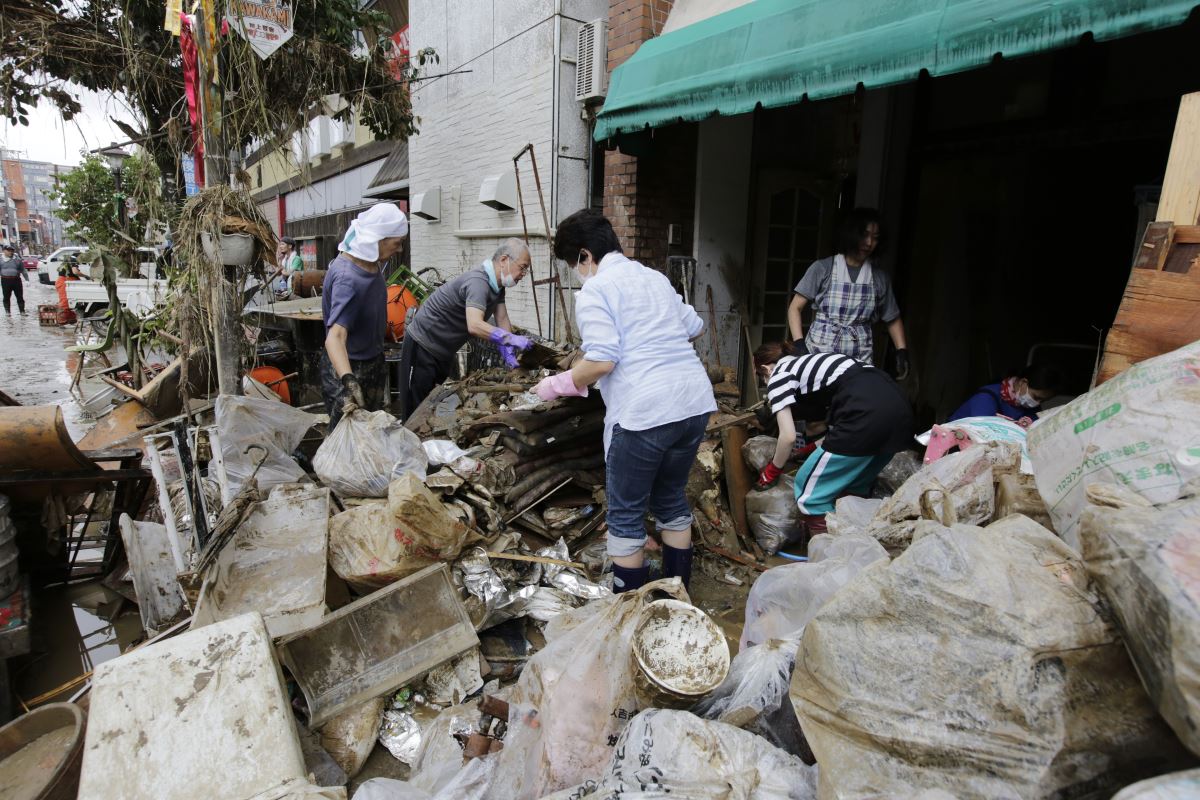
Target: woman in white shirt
(637, 335)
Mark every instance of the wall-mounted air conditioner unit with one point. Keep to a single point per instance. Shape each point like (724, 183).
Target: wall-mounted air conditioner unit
(591, 61)
(341, 134)
(319, 137)
(427, 205)
(499, 191)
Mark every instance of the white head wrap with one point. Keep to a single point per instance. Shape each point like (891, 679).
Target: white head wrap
(380, 221)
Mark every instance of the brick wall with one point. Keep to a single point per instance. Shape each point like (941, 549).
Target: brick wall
(644, 194)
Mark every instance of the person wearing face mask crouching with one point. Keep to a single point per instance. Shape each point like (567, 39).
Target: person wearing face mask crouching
(637, 335)
(1018, 397)
(458, 310)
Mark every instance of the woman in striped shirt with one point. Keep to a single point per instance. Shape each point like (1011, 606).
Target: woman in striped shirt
(869, 419)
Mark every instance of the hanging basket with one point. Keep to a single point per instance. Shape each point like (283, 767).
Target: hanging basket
(235, 249)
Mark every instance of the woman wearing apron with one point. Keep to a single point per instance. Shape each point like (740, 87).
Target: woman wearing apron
(848, 294)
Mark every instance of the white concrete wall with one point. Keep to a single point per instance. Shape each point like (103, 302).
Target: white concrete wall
(723, 154)
(472, 124)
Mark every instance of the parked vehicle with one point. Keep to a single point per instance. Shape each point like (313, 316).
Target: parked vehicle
(30, 262)
(48, 267)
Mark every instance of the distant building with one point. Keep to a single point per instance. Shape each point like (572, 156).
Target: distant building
(30, 214)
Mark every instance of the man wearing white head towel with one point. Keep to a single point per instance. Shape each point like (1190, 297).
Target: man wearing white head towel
(354, 307)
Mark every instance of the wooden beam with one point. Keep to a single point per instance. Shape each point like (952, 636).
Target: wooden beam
(1180, 199)
(738, 480)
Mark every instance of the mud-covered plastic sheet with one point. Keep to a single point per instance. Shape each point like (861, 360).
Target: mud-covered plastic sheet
(667, 754)
(979, 663)
(366, 451)
(1147, 563)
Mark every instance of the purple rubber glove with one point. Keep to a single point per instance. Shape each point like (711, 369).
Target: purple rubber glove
(510, 339)
(509, 354)
(560, 385)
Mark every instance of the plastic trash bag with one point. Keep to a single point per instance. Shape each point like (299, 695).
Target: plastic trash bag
(666, 754)
(754, 696)
(275, 426)
(783, 599)
(1176, 786)
(1139, 429)
(852, 515)
(574, 697)
(469, 783)
(442, 451)
(350, 736)
(758, 450)
(902, 467)
(365, 452)
(375, 544)
(1147, 563)
(979, 663)
(774, 516)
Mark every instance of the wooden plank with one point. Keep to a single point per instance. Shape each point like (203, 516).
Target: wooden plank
(1159, 312)
(1180, 199)
(1153, 251)
(738, 480)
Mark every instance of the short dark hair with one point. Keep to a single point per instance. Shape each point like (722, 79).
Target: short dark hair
(771, 352)
(586, 229)
(289, 241)
(852, 228)
(1044, 377)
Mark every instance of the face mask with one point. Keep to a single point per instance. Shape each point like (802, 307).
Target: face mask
(1026, 400)
(507, 281)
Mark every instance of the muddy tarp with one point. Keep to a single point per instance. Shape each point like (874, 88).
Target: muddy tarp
(979, 663)
(1147, 563)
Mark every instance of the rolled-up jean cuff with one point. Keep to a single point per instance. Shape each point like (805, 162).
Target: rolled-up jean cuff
(675, 523)
(621, 546)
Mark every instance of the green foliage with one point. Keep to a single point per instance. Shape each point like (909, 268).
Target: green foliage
(90, 203)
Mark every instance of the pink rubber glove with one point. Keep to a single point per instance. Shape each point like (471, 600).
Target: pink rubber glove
(560, 385)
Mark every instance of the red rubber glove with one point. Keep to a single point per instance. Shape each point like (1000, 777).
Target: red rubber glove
(768, 477)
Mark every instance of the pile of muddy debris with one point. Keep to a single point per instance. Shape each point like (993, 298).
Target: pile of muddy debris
(408, 612)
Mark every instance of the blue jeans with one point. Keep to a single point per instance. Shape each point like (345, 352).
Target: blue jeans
(649, 470)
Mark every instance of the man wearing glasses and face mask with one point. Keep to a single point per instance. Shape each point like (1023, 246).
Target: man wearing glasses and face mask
(458, 310)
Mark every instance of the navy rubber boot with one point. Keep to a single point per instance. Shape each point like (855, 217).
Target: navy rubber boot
(627, 579)
(677, 563)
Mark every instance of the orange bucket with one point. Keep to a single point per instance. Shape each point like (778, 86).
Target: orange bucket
(399, 301)
(267, 376)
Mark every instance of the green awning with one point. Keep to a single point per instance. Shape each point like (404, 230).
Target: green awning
(776, 52)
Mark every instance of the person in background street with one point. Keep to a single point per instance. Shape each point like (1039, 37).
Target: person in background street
(12, 272)
(456, 311)
(868, 415)
(289, 260)
(1018, 397)
(848, 293)
(637, 335)
(354, 307)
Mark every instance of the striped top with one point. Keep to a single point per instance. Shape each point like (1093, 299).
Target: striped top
(797, 376)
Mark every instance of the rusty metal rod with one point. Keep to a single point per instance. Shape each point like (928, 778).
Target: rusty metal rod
(525, 228)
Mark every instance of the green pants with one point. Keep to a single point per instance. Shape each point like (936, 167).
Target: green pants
(825, 477)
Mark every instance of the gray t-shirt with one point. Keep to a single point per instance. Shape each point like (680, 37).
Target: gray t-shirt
(356, 300)
(815, 284)
(12, 268)
(440, 323)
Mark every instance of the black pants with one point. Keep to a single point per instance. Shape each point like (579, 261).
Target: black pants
(371, 375)
(420, 371)
(13, 286)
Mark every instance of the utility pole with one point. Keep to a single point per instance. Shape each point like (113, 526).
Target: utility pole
(227, 332)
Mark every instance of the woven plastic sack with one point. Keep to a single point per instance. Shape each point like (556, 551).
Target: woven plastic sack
(575, 697)
(375, 544)
(978, 663)
(754, 696)
(273, 426)
(667, 754)
(366, 450)
(1139, 429)
(774, 517)
(783, 599)
(1147, 563)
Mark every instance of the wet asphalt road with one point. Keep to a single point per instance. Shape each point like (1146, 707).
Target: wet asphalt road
(33, 366)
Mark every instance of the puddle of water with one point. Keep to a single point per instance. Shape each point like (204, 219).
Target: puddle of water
(74, 630)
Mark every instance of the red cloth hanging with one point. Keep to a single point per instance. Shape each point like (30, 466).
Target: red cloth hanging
(191, 87)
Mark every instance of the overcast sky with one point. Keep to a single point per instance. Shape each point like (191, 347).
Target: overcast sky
(49, 138)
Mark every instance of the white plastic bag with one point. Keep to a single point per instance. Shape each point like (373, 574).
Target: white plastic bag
(574, 697)
(785, 598)
(852, 515)
(442, 451)
(366, 450)
(754, 696)
(774, 516)
(275, 426)
(1139, 429)
(469, 783)
(667, 754)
